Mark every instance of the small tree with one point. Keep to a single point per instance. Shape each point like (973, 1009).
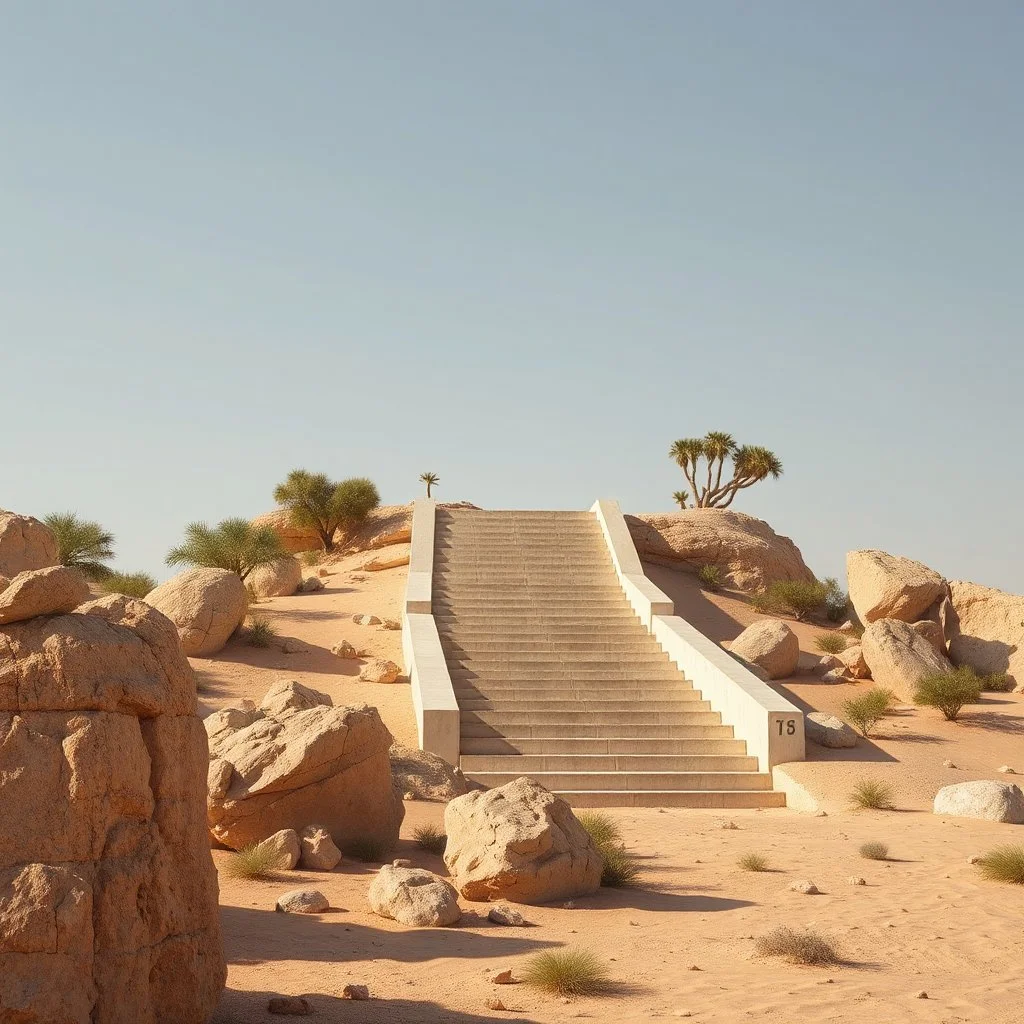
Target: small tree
(82, 544)
(949, 691)
(318, 503)
(703, 459)
(430, 479)
(233, 544)
(681, 498)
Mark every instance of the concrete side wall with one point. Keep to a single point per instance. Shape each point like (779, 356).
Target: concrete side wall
(433, 699)
(771, 726)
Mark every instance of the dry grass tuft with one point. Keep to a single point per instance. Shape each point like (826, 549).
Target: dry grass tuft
(797, 947)
(753, 862)
(1004, 864)
(568, 972)
(621, 868)
(260, 632)
(430, 838)
(831, 643)
(252, 862)
(869, 794)
(874, 850)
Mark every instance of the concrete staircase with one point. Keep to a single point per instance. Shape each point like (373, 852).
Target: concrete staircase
(556, 677)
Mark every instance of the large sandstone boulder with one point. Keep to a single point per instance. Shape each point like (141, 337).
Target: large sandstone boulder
(884, 586)
(42, 592)
(207, 606)
(992, 801)
(25, 544)
(828, 731)
(276, 579)
(295, 760)
(414, 897)
(899, 657)
(108, 894)
(519, 843)
(293, 538)
(748, 550)
(426, 776)
(771, 645)
(987, 630)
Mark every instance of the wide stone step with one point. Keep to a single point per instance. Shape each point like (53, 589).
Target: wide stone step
(720, 799)
(510, 721)
(632, 781)
(711, 739)
(589, 706)
(614, 630)
(609, 726)
(528, 764)
(555, 618)
(523, 663)
(635, 692)
(573, 673)
(516, 646)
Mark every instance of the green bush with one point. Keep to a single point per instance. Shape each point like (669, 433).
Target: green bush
(865, 710)
(621, 868)
(753, 862)
(318, 503)
(430, 838)
(131, 584)
(797, 597)
(837, 601)
(1004, 864)
(566, 972)
(798, 947)
(831, 643)
(760, 603)
(870, 794)
(949, 691)
(233, 544)
(312, 558)
(710, 576)
(997, 682)
(874, 851)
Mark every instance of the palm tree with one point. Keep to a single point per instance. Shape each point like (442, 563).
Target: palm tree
(681, 498)
(233, 544)
(317, 502)
(82, 544)
(429, 479)
(750, 465)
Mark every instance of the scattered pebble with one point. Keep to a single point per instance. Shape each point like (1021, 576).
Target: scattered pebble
(503, 978)
(806, 886)
(401, 862)
(730, 825)
(409, 795)
(495, 1004)
(694, 967)
(974, 859)
(302, 901)
(355, 992)
(289, 1006)
(857, 880)
(949, 764)
(1006, 769)
(504, 914)
(568, 905)
(921, 995)
(821, 814)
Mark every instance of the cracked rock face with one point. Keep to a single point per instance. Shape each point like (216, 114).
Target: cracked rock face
(207, 606)
(25, 544)
(106, 879)
(295, 760)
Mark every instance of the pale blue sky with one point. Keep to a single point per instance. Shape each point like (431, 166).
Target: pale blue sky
(525, 244)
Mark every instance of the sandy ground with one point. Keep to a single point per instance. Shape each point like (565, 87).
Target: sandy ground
(681, 945)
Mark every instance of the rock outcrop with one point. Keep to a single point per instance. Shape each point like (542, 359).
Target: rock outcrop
(852, 661)
(42, 592)
(25, 544)
(749, 552)
(828, 731)
(769, 644)
(284, 849)
(414, 897)
(293, 538)
(519, 843)
(108, 894)
(987, 630)
(884, 586)
(426, 776)
(276, 579)
(297, 759)
(932, 632)
(899, 657)
(206, 605)
(379, 670)
(992, 801)
(318, 850)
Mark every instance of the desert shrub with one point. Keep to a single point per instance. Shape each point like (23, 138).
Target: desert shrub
(837, 601)
(621, 868)
(82, 544)
(797, 597)
(233, 544)
(869, 794)
(710, 576)
(566, 972)
(831, 643)
(131, 584)
(874, 850)
(997, 682)
(761, 603)
(1004, 864)
(368, 849)
(865, 710)
(312, 558)
(948, 691)
(324, 505)
(253, 862)
(430, 838)
(261, 632)
(753, 862)
(798, 947)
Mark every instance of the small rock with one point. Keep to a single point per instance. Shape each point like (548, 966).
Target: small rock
(804, 885)
(355, 992)
(948, 764)
(974, 859)
(391, 624)
(857, 880)
(322, 572)
(921, 995)
(318, 850)
(694, 967)
(286, 849)
(503, 978)
(409, 795)
(345, 650)
(504, 914)
(569, 905)
(821, 814)
(293, 646)
(729, 825)
(366, 620)
(1006, 770)
(311, 583)
(302, 901)
(289, 1006)
(494, 1003)
(833, 676)
(379, 670)
(401, 862)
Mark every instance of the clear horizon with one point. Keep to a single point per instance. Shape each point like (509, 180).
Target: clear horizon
(526, 246)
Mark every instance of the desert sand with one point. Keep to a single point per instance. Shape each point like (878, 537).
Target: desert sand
(682, 944)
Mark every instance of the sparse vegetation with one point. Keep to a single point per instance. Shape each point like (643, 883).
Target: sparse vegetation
(233, 544)
(252, 862)
(798, 947)
(869, 794)
(131, 584)
(323, 505)
(1004, 864)
(430, 838)
(760, 603)
(681, 498)
(430, 479)
(621, 868)
(753, 862)
(874, 850)
(837, 601)
(866, 709)
(312, 558)
(997, 682)
(82, 544)
(796, 597)
(949, 691)
(261, 633)
(831, 643)
(710, 576)
(566, 972)
(368, 849)
(702, 460)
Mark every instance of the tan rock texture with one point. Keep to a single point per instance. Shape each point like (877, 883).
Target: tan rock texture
(899, 657)
(770, 644)
(884, 586)
(42, 592)
(277, 579)
(932, 632)
(852, 661)
(318, 850)
(293, 538)
(206, 605)
(284, 847)
(425, 775)
(108, 895)
(295, 760)
(25, 544)
(748, 550)
(991, 801)
(379, 670)
(414, 897)
(519, 843)
(987, 630)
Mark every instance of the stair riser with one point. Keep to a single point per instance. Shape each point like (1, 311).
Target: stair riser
(729, 800)
(525, 764)
(596, 707)
(634, 781)
(589, 694)
(509, 721)
(611, 730)
(565, 746)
